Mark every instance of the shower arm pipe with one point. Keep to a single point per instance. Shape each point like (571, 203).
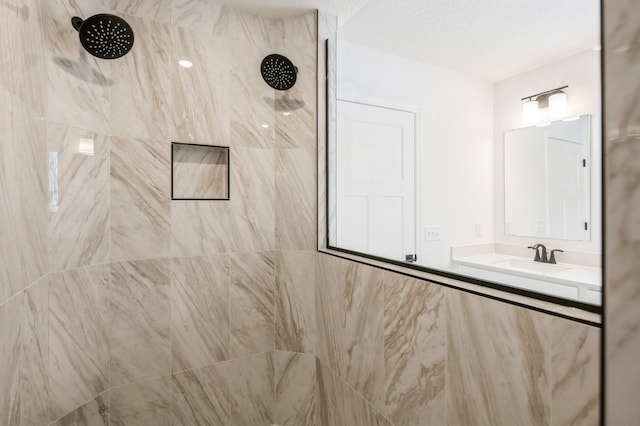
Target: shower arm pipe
(546, 92)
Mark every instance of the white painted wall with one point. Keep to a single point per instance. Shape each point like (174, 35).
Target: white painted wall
(455, 153)
(581, 73)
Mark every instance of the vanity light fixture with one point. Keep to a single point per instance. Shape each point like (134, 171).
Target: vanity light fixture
(554, 100)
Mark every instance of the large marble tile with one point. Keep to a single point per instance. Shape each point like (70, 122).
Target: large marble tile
(150, 10)
(141, 404)
(350, 324)
(140, 95)
(498, 363)
(246, 222)
(622, 243)
(251, 393)
(196, 117)
(199, 311)
(252, 101)
(255, 30)
(93, 413)
(140, 199)
(201, 397)
(22, 42)
(415, 351)
(34, 377)
(295, 198)
(202, 16)
(10, 362)
(252, 303)
(296, 108)
(299, 30)
(140, 321)
(295, 389)
(339, 404)
(78, 337)
(78, 84)
(23, 219)
(79, 197)
(575, 373)
(295, 301)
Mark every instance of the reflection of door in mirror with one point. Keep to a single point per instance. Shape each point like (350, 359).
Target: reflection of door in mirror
(375, 200)
(547, 181)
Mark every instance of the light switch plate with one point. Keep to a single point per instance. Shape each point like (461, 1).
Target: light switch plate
(432, 233)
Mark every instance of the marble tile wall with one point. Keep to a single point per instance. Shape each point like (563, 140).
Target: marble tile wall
(622, 206)
(117, 305)
(430, 355)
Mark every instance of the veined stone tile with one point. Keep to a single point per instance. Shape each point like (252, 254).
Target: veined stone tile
(150, 10)
(22, 42)
(23, 220)
(415, 351)
(140, 95)
(140, 199)
(78, 338)
(254, 29)
(299, 30)
(78, 83)
(202, 15)
(199, 311)
(295, 198)
(10, 362)
(252, 101)
(78, 199)
(328, 312)
(339, 404)
(141, 404)
(252, 312)
(350, 324)
(244, 223)
(622, 244)
(140, 321)
(34, 374)
(295, 301)
(295, 383)
(93, 413)
(201, 397)
(197, 118)
(498, 356)
(295, 113)
(251, 392)
(575, 373)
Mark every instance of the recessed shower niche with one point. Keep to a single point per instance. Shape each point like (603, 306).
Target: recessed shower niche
(199, 172)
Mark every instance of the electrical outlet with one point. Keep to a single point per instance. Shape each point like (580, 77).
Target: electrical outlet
(431, 233)
(478, 230)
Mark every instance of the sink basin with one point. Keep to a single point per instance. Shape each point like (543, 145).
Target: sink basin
(531, 266)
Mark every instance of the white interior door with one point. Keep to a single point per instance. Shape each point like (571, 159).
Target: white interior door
(566, 177)
(376, 180)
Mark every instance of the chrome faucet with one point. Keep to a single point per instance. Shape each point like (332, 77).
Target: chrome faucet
(541, 254)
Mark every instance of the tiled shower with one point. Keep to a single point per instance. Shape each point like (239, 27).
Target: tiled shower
(119, 306)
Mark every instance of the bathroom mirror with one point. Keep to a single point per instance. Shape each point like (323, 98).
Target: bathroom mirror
(547, 180)
(424, 167)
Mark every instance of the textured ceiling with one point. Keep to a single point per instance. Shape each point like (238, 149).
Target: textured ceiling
(343, 9)
(492, 39)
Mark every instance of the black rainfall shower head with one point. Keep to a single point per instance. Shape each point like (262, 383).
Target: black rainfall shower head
(104, 36)
(279, 72)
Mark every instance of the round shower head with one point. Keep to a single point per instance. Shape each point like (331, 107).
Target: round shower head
(279, 72)
(104, 36)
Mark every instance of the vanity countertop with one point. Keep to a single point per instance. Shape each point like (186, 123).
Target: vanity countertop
(562, 273)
